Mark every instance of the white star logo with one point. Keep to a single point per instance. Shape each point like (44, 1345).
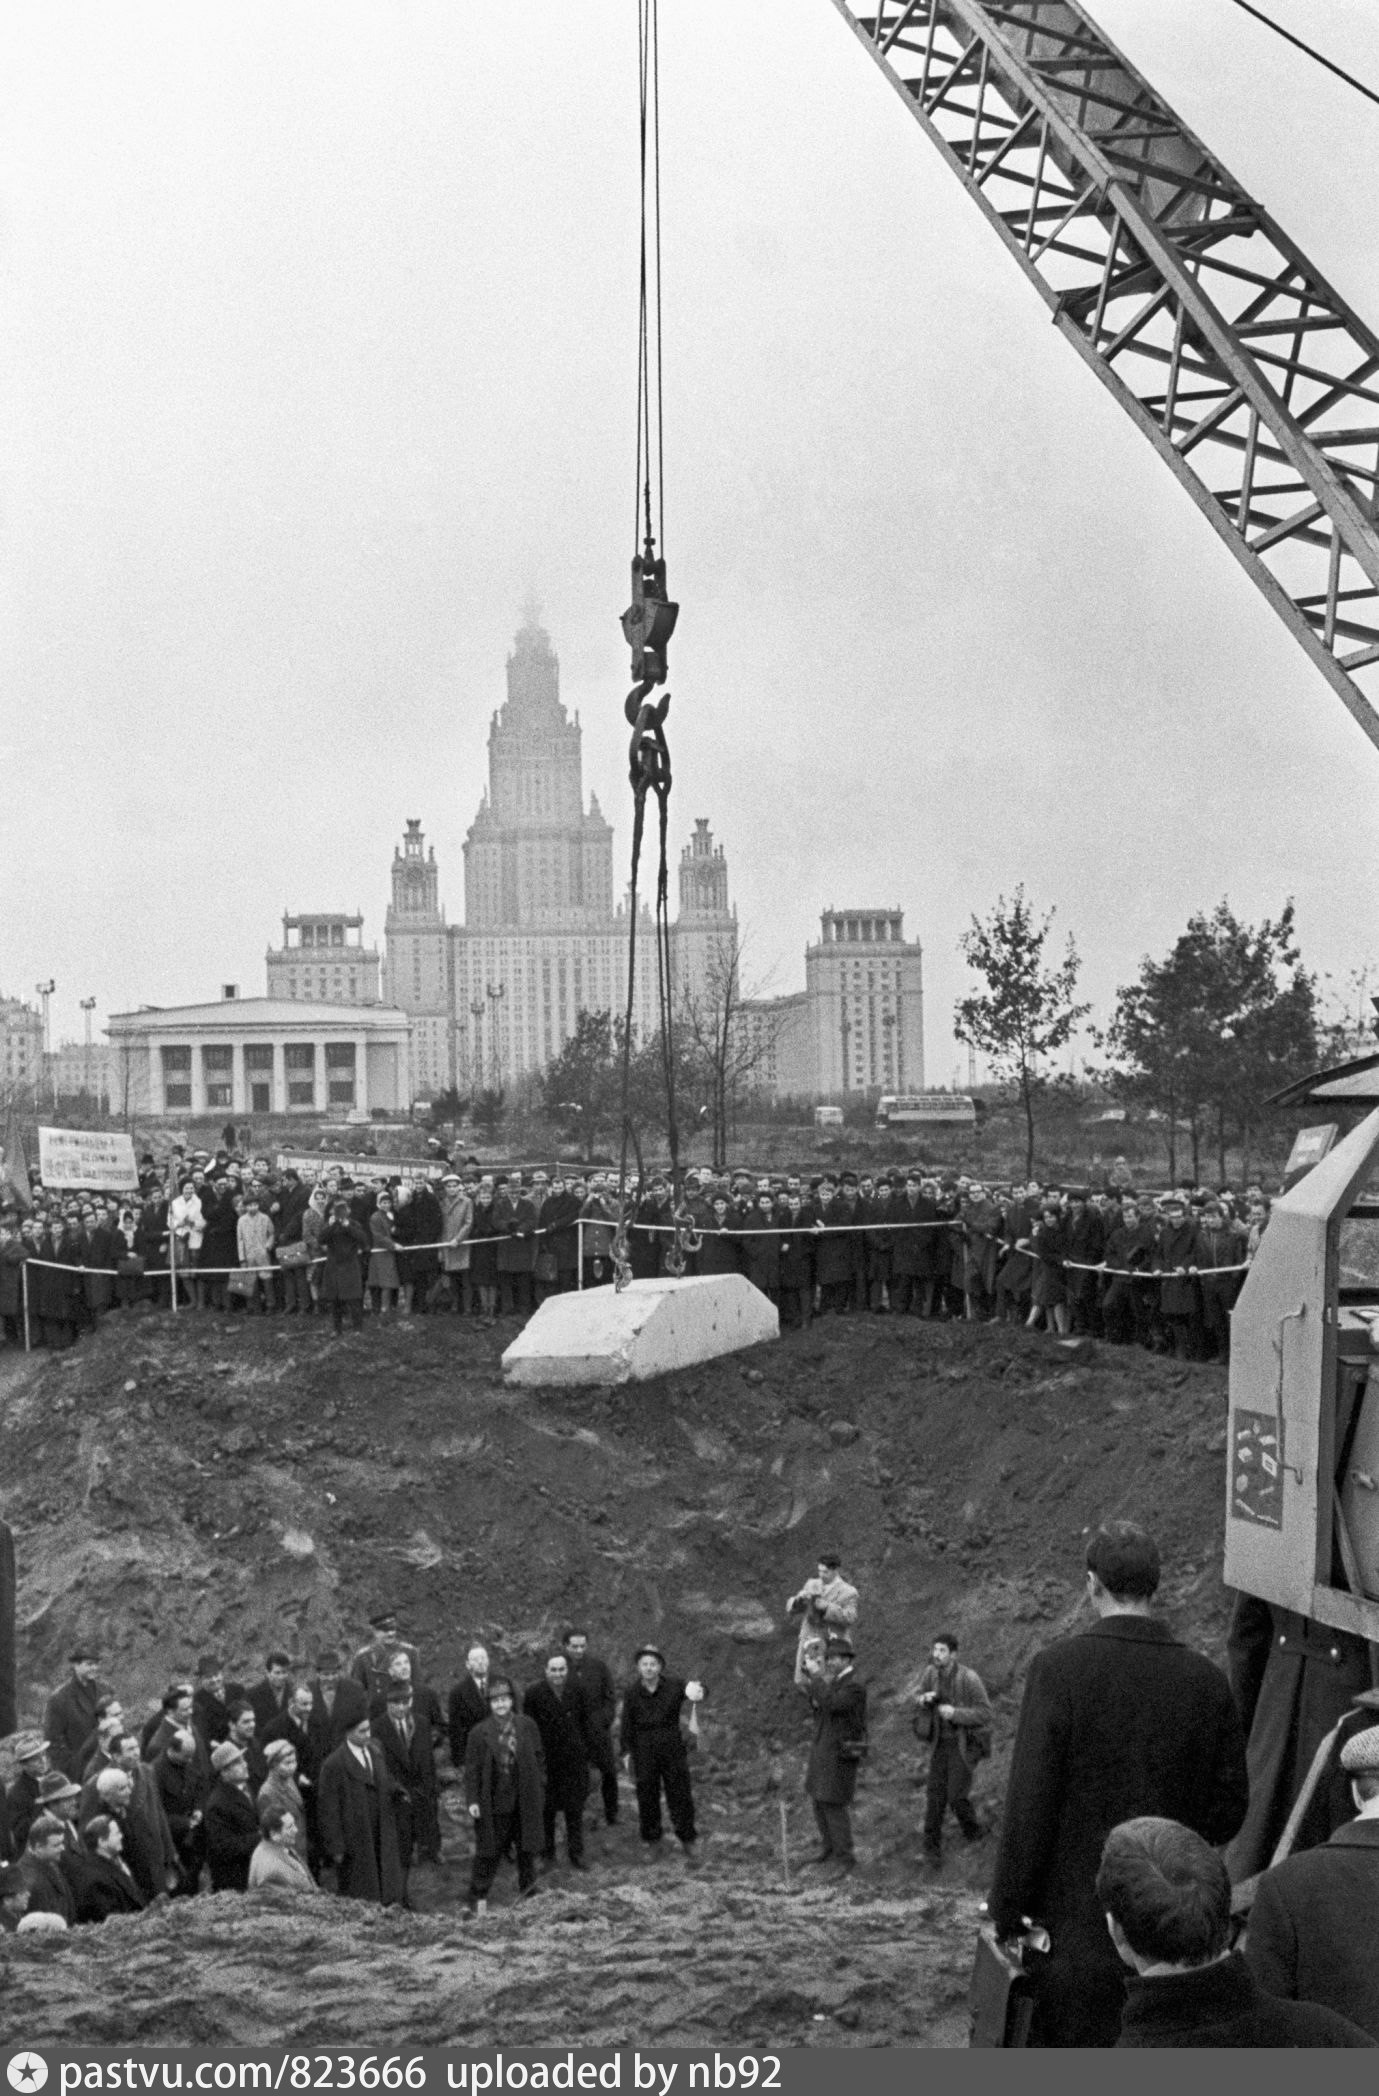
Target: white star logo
(27, 2072)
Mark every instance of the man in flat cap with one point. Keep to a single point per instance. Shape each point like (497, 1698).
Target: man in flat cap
(70, 1718)
(1314, 1925)
(654, 1746)
(370, 1665)
(231, 1823)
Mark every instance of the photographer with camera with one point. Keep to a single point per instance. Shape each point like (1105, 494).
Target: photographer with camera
(829, 1607)
(839, 1702)
(954, 1715)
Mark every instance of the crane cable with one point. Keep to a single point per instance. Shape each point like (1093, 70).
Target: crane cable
(1289, 38)
(648, 625)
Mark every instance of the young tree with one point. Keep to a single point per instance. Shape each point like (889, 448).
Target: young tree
(1227, 1017)
(1026, 1012)
(582, 1085)
(728, 1042)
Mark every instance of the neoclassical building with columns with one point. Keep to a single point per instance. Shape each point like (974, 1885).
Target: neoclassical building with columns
(496, 998)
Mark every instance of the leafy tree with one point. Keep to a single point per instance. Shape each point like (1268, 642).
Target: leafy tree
(726, 1043)
(582, 1085)
(490, 1109)
(1206, 1034)
(1026, 1012)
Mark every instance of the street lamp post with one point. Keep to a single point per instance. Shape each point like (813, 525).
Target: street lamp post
(88, 1005)
(476, 1059)
(496, 994)
(45, 991)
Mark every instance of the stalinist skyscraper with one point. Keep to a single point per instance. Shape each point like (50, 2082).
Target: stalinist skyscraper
(496, 998)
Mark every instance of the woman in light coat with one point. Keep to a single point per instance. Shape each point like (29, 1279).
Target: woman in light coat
(186, 1230)
(254, 1235)
(457, 1220)
(280, 1789)
(384, 1279)
(275, 1861)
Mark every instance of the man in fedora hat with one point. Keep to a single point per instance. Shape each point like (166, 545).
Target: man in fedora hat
(231, 1823)
(839, 1701)
(30, 1751)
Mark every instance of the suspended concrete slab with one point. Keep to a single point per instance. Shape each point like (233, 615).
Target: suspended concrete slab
(604, 1335)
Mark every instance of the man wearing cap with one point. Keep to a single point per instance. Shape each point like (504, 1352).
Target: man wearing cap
(370, 1666)
(21, 1799)
(358, 1824)
(209, 1715)
(232, 1824)
(1179, 1257)
(1314, 1925)
(70, 1717)
(954, 1715)
(325, 1687)
(651, 1740)
(839, 1701)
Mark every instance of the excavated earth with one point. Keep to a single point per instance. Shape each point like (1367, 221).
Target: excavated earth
(202, 1483)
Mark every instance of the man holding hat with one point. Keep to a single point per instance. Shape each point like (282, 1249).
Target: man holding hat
(1315, 1920)
(651, 1740)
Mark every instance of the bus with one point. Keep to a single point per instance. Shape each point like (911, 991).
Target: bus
(925, 1110)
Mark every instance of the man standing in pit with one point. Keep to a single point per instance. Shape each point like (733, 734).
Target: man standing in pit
(592, 1677)
(839, 1701)
(954, 1715)
(655, 1749)
(829, 1608)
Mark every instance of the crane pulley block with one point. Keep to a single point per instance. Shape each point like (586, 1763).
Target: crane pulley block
(648, 624)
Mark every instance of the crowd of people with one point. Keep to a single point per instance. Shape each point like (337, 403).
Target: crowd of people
(330, 1778)
(233, 1233)
(1144, 1796)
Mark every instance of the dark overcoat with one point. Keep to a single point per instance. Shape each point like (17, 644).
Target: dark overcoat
(1293, 1679)
(367, 1868)
(232, 1834)
(1223, 2005)
(840, 1716)
(102, 1888)
(468, 1707)
(412, 1766)
(563, 1722)
(1116, 1723)
(480, 1776)
(68, 1723)
(342, 1275)
(1314, 1926)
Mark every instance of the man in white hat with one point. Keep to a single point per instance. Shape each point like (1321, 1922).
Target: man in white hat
(1315, 1921)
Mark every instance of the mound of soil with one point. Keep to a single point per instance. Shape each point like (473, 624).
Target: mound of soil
(208, 1484)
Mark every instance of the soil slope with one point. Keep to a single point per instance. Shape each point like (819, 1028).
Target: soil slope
(177, 1486)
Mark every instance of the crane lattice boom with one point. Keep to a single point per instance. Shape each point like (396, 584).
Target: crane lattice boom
(1245, 369)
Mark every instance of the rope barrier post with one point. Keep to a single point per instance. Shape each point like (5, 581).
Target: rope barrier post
(579, 1252)
(172, 1268)
(24, 1287)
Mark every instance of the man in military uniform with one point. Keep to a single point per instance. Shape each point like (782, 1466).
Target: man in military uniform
(370, 1665)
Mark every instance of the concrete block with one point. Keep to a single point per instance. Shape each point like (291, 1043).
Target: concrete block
(605, 1336)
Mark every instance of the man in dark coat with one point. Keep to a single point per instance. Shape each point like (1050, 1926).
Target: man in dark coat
(231, 1823)
(268, 1698)
(371, 1664)
(1167, 1902)
(954, 1715)
(1179, 1257)
(310, 1741)
(651, 1740)
(557, 1708)
(839, 1702)
(404, 1734)
(50, 1887)
(505, 1789)
(1314, 1924)
(102, 1883)
(468, 1704)
(1293, 1680)
(1117, 1722)
(209, 1714)
(70, 1717)
(357, 1821)
(21, 1799)
(182, 1777)
(595, 1683)
(325, 1688)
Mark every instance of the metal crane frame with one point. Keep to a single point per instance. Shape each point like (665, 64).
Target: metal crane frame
(1250, 375)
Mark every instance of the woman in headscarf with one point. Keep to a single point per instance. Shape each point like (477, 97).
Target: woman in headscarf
(384, 1280)
(280, 1788)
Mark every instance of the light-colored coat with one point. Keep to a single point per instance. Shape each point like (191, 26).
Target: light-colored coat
(274, 1866)
(457, 1220)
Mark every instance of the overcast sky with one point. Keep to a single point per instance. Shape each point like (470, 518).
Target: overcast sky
(317, 328)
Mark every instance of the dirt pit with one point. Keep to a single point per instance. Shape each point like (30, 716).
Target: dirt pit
(196, 1484)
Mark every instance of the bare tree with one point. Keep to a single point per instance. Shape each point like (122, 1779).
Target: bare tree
(729, 1040)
